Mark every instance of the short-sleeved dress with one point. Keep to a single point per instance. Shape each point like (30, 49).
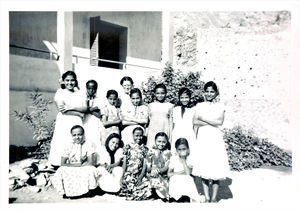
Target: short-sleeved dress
(182, 185)
(211, 156)
(93, 126)
(62, 134)
(112, 114)
(183, 127)
(137, 112)
(158, 159)
(110, 182)
(135, 155)
(160, 115)
(75, 181)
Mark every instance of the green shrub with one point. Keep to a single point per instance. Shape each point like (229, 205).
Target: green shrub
(35, 118)
(246, 151)
(174, 80)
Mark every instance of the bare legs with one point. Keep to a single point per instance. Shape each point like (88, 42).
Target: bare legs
(215, 189)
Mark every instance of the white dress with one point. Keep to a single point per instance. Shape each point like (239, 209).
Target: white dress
(183, 128)
(109, 182)
(212, 160)
(182, 185)
(62, 131)
(93, 126)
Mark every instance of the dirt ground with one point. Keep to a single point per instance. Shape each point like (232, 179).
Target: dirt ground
(268, 187)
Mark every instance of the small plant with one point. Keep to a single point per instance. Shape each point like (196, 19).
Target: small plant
(35, 118)
(246, 151)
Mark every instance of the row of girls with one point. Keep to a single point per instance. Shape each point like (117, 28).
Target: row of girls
(137, 151)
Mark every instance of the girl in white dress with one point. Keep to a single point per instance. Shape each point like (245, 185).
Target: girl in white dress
(134, 115)
(160, 115)
(92, 123)
(212, 161)
(110, 159)
(183, 115)
(71, 108)
(181, 183)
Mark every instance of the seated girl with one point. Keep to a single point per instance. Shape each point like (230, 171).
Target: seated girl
(110, 159)
(181, 183)
(135, 185)
(77, 175)
(157, 165)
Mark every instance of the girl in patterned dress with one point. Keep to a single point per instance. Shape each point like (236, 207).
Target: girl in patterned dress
(157, 165)
(71, 108)
(134, 115)
(111, 116)
(160, 115)
(76, 176)
(135, 186)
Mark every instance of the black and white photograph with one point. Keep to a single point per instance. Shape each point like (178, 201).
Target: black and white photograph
(159, 106)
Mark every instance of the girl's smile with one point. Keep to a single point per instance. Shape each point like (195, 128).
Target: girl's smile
(138, 136)
(161, 142)
(77, 135)
(70, 82)
(184, 99)
(135, 99)
(113, 144)
(160, 94)
(210, 94)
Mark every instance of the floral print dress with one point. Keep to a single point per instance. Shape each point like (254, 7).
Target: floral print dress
(135, 155)
(158, 159)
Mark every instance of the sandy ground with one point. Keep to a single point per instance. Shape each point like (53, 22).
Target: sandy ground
(269, 187)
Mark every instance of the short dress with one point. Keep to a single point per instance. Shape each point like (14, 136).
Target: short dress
(160, 115)
(136, 112)
(135, 155)
(158, 159)
(183, 127)
(75, 181)
(182, 185)
(93, 126)
(62, 131)
(211, 156)
(112, 114)
(110, 182)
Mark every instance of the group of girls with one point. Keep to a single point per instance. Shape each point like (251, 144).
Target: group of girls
(134, 150)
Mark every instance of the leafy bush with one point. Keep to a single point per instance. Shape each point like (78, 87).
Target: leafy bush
(246, 151)
(174, 80)
(35, 118)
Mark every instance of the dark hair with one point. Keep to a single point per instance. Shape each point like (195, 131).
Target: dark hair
(111, 92)
(72, 73)
(111, 136)
(135, 90)
(162, 86)
(138, 128)
(75, 127)
(126, 78)
(163, 134)
(213, 85)
(92, 81)
(181, 141)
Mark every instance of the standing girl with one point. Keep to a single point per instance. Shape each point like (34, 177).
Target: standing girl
(212, 156)
(92, 119)
(111, 116)
(110, 169)
(157, 165)
(181, 183)
(71, 107)
(135, 185)
(183, 120)
(76, 176)
(134, 115)
(160, 115)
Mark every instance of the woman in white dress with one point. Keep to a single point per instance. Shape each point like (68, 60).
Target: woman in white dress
(71, 108)
(212, 161)
(183, 115)
(110, 157)
(124, 94)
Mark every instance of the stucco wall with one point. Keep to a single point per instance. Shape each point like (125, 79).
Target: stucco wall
(144, 31)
